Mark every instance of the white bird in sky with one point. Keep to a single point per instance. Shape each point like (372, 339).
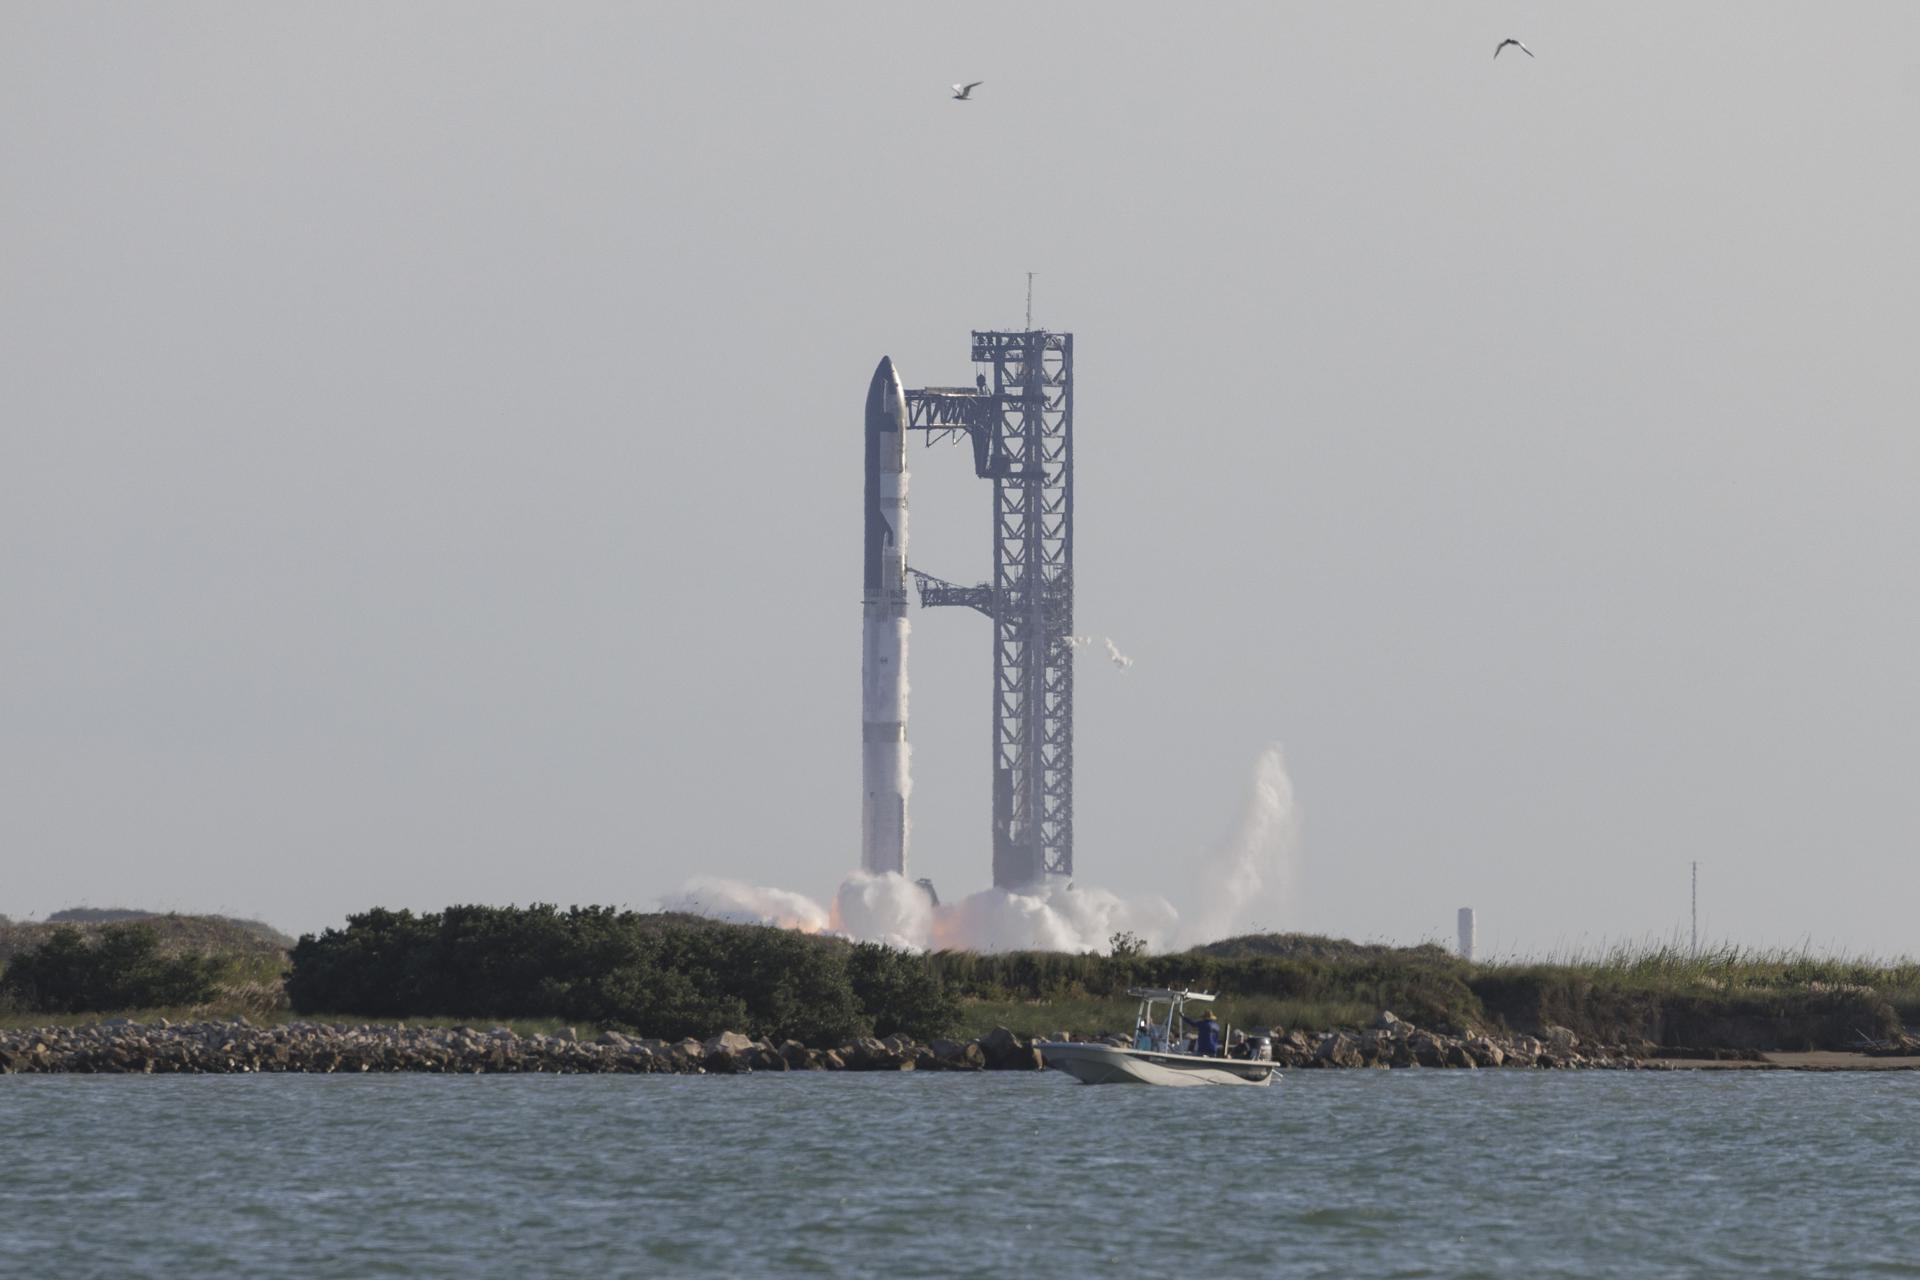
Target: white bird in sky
(964, 92)
(1515, 43)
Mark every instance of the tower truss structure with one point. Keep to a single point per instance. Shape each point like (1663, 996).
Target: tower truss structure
(1018, 416)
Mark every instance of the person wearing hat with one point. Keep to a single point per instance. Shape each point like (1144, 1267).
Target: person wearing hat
(1206, 1033)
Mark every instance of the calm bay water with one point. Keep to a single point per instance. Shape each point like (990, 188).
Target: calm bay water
(1362, 1173)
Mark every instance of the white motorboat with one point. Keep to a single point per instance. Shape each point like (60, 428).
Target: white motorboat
(1159, 1053)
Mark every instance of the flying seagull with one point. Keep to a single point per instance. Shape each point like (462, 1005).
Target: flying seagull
(1515, 43)
(964, 92)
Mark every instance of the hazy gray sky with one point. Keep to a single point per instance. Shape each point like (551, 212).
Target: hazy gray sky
(429, 447)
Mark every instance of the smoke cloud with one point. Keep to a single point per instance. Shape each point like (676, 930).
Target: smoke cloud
(1254, 870)
(747, 904)
(884, 907)
(890, 908)
(1242, 883)
(1052, 917)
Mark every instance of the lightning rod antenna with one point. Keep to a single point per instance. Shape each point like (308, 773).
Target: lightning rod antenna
(1029, 302)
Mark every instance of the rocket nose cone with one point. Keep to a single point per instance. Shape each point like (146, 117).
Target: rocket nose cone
(884, 387)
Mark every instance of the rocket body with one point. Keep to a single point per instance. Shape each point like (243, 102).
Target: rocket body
(883, 651)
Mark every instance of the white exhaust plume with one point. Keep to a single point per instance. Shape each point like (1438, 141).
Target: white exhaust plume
(890, 908)
(1051, 917)
(884, 907)
(1247, 877)
(1116, 657)
(741, 903)
(1256, 867)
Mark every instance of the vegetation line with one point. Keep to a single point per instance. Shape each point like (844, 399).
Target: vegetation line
(669, 976)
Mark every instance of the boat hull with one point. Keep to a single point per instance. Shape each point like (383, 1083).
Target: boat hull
(1105, 1064)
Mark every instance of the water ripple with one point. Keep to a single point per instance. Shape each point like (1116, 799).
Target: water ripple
(1328, 1174)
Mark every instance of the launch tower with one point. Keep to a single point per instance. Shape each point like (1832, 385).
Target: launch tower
(1018, 416)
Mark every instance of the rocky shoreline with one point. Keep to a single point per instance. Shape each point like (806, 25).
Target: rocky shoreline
(118, 1046)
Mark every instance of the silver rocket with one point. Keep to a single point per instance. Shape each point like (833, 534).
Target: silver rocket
(883, 650)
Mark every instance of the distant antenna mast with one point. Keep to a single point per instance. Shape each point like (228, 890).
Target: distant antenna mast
(1029, 302)
(1696, 908)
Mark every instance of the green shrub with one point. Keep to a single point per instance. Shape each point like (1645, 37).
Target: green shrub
(901, 993)
(122, 968)
(661, 975)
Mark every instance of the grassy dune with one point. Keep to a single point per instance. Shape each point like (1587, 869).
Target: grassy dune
(1729, 997)
(251, 961)
(200, 935)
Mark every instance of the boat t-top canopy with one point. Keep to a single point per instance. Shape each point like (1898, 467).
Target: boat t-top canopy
(1167, 993)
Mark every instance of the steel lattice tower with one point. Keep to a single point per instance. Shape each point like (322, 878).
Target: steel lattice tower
(1018, 416)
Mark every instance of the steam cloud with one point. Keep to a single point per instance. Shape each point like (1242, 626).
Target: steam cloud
(1255, 868)
(884, 907)
(1252, 872)
(742, 903)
